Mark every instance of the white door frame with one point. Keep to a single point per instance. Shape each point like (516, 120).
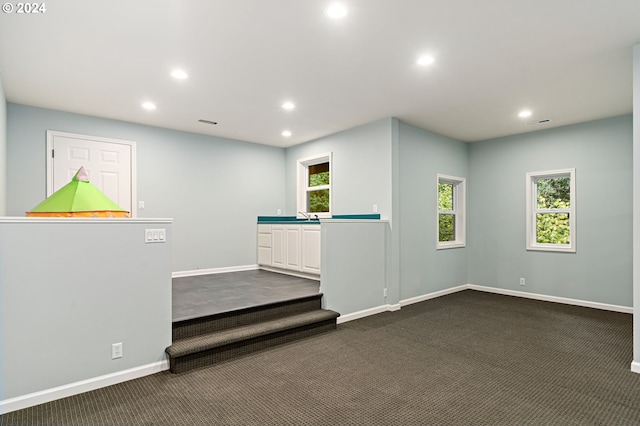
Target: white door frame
(51, 134)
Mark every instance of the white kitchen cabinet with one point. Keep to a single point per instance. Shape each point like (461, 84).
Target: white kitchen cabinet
(293, 256)
(293, 248)
(310, 249)
(278, 246)
(264, 245)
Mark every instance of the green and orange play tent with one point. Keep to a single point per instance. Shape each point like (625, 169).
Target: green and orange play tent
(78, 198)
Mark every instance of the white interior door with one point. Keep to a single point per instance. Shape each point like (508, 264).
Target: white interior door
(110, 164)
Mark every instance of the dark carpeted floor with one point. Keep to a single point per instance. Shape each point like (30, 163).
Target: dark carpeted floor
(462, 359)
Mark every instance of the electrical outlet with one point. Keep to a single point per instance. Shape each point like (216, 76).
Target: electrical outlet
(116, 350)
(385, 292)
(522, 281)
(375, 208)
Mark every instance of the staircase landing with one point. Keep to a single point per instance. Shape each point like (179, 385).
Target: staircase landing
(204, 295)
(272, 317)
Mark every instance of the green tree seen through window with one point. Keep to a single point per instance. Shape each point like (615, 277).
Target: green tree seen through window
(553, 193)
(318, 200)
(446, 221)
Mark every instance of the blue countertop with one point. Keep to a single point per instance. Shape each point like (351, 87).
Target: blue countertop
(292, 220)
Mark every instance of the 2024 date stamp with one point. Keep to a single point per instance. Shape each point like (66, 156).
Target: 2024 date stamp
(24, 8)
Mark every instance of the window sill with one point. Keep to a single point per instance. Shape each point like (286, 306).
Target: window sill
(552, 249)
(441, 246)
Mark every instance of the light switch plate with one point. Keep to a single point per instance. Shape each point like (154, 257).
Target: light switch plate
(155, 236)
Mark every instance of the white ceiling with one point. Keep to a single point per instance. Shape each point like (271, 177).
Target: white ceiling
(566, 60)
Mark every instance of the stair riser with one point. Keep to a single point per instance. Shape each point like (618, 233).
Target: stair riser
(235, 350)
(229, 320)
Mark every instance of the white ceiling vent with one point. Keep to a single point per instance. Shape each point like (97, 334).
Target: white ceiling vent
(535, 123)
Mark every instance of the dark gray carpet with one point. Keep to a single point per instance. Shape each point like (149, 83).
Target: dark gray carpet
(466, 358)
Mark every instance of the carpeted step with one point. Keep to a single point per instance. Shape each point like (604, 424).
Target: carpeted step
(205, 341)
(226, 320)
(214, 340)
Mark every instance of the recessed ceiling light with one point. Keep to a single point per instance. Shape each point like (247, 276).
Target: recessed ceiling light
(149, 106)
(425, 60)
(179, 74)
(288, 106)
(286, 133)
(336, 11)
(524, 113)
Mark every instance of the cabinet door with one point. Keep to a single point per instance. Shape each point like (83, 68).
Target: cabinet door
(264, 240)
(264, 256)
(292, 235)
(311, 249)
(264, 245)
(278, 246)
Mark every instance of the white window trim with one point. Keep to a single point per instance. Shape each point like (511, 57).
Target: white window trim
(303, 179)
(459, 212)
(532, 210)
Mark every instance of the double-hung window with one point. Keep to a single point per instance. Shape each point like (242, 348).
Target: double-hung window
(314, 186)
(551, 210)
(451, 212)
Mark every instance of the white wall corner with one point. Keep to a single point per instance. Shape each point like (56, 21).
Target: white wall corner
(394, 307)
(364, 313)
(433, 295)
(636, 202)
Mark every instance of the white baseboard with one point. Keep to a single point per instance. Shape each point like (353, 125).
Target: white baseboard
(523, 294)
(433, 295)
(635, 367)
(543, 297)
(292, 273)
(393, 308)
(364, 313)
(36, 398)
(196, 272)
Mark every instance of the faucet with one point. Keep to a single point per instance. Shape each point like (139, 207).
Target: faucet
(305, 215)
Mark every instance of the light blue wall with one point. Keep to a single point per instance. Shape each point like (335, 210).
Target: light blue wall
(214, 188)
(361, 168)
(601, 269)
(354, 266)
(422, 155)
(69, 290)
(3, 151)
(363, 173)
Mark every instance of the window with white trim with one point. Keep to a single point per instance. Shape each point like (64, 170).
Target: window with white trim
(551, 210)
(451, 212)
(314, 186)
